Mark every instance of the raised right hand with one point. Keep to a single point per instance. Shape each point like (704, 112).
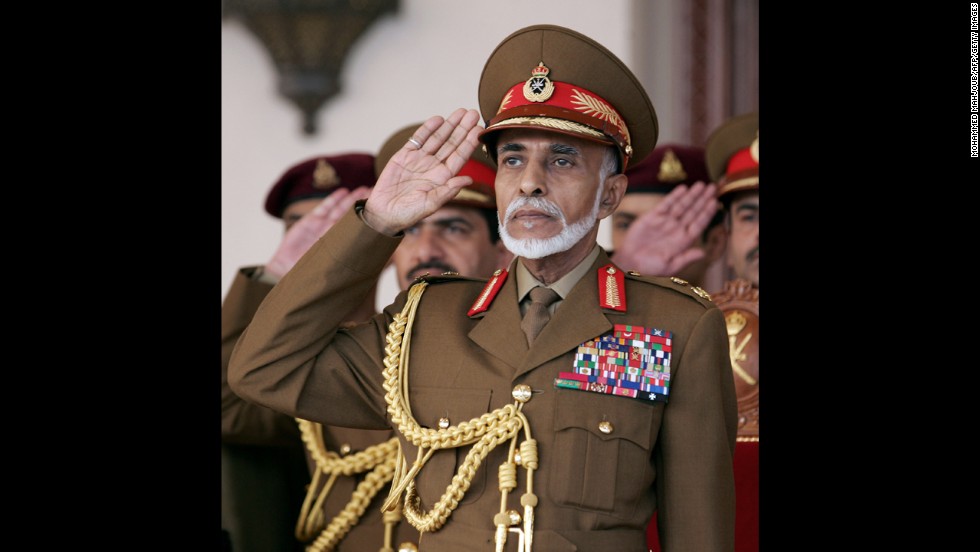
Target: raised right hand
(419, 180)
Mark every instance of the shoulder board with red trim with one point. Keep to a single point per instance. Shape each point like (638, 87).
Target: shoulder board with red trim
(612, 288)
(489, 292)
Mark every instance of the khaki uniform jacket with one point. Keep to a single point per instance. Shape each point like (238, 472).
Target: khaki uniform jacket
(243, 422)
(596, 490)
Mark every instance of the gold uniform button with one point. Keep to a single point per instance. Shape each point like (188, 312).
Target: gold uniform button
(521, 393)
(443, 423)
(606, 427)
(345, 449)
(679, 281)
(408, 547)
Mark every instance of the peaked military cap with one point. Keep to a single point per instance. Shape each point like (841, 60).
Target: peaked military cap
(480, 167)
(668, 166)
(320, 176)
(553, 78)
(732, 153)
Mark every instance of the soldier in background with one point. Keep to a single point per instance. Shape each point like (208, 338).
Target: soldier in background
(732, 154)
(264, 466)
(350, 468)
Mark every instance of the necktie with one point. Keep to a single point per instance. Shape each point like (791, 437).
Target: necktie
(537, 314)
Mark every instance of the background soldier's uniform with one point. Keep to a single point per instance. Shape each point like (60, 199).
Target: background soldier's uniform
(245, 423)
(732, 154)
(266, 468)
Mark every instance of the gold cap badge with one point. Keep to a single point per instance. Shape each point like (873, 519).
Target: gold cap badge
(539, 87)
(671, 169)
(325, 176)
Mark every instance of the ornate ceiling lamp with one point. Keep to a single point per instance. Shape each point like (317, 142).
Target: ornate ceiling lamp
(308, 41)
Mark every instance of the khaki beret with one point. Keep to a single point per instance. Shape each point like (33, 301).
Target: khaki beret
(480, 167)
(319, 177)
(668, 166)
(732, 153)
(553, 78)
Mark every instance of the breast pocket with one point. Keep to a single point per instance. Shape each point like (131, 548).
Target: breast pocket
(602, 452)
(429, 406)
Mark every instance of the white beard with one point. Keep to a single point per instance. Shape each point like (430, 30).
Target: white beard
(535, 248)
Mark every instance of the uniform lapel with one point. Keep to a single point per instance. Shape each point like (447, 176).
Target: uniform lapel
(499, 333)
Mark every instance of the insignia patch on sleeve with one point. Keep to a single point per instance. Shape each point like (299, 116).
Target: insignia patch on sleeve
(633, 362)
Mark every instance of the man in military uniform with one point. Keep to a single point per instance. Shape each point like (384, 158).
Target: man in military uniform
(266, 463)
(732, 154)
(518, 431)
(668, 223)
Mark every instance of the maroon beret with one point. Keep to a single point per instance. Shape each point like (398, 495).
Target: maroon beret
(319, 177)
(667, 166)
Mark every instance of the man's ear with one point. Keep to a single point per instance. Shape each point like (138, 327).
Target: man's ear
(615, 188)
(714, 246)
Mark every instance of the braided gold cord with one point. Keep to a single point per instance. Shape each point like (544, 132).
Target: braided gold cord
(349, 516)
(484, 432)
(311, 517)
(380, 460)
(550, 122)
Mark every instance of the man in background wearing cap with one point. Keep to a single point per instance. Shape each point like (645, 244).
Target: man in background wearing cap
(732, 153)
(733, 158)
(263, 450)
(461, 237)
(571, 415)
(668, 223)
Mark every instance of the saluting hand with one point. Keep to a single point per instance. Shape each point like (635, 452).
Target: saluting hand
(421, 176)
(663, 240)
(308, 229)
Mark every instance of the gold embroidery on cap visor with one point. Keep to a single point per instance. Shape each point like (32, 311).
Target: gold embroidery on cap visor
(469, 195)
(558, 124)
(747, 183)
(561, 125)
